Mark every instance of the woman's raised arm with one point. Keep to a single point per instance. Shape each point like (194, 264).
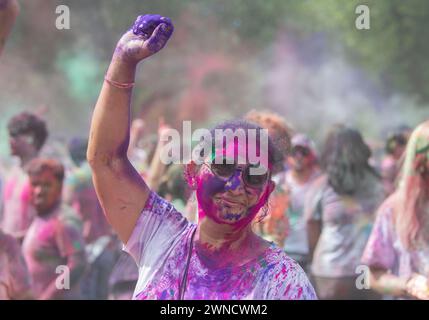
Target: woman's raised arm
(120, 189)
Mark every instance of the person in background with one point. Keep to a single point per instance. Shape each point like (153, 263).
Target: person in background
(124, 276)
(397, 251)
(173, 187)
(55, 236)
(273, 224)
(15, 281)
(303, 170)
(27, 135)
(9, 10)
(278, 130)
(158, 167)
(339, 209)
(79, 193)
(395, 146)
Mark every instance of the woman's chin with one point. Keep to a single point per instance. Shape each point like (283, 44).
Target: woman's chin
(223, 213)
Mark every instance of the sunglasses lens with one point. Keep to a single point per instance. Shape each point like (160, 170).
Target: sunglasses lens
(255, 180)
(303, 151)
(223, 169)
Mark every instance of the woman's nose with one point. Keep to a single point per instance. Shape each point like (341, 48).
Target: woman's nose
(37, 190)
(234, 182)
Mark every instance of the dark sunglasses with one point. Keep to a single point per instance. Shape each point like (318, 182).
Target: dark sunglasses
(226, 170)
(301, 150)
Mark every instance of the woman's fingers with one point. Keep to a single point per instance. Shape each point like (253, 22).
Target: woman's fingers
(146, 24)
(160, 37)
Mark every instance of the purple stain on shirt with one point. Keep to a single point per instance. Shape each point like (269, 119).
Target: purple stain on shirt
(155, 28)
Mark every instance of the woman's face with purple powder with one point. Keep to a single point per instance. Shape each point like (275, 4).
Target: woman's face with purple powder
(230, 199)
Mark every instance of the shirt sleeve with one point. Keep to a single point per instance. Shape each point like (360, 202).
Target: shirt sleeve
(379, 251)
(158, 227)
(291, 283)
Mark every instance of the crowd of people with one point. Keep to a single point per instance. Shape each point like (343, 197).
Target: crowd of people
(110, 220)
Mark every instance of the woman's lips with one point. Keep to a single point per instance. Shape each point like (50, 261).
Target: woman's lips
(229, 201)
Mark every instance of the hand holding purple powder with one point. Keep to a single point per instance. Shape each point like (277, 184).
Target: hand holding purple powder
(154, 28)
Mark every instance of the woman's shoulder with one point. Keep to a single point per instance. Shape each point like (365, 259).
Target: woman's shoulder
(276, 257)
(287, 279)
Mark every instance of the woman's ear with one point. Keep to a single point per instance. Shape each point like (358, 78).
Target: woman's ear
(191, 171)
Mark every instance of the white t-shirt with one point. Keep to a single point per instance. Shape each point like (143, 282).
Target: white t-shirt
(160, 245)
(346, 225)
(297, 241)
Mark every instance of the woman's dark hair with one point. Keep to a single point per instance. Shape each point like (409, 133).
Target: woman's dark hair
(31, 124)
(77, 148)
(275, 156)
(345, 159)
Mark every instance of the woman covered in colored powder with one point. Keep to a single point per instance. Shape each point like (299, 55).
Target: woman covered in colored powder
(398, 248)
(339, 209)
(220, 258)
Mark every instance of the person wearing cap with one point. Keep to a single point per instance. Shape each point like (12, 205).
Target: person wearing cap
(303, 170)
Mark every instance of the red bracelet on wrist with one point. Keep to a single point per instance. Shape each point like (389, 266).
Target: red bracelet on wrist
(119, 85)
